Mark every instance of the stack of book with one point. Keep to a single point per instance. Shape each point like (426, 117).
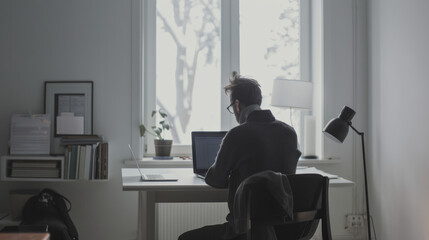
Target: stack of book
(86, 157)
(35, 169)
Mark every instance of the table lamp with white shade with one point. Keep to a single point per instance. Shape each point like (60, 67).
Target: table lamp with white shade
(297, 94)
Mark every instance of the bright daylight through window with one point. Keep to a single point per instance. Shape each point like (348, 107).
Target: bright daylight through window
(187, 44)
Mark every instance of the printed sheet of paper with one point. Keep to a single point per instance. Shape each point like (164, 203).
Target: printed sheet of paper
(67, 123)
(30, 134)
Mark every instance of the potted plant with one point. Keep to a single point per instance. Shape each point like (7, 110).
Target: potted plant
(162, 146)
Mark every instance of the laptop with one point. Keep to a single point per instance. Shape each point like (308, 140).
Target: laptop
(205, 146)
(150, 177)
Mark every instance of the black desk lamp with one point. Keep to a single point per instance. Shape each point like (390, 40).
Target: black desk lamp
(337, 130)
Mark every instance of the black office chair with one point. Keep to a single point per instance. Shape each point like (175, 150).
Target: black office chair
(310, 198)
(262, 201)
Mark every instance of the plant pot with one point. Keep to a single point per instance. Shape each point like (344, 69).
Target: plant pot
(163, 147)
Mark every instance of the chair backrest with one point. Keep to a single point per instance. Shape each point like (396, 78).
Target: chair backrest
(310, 197)
(262, 201)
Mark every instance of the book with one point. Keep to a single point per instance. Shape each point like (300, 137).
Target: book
(82, 154)
(94, 160)
(104, 159)
(67, 157)
(35, 172)
(27, 233)
(35, 168)
(87, 161)
(98, 165)
(80, 139)
(87, 166)
(34, 164)
(73, 162)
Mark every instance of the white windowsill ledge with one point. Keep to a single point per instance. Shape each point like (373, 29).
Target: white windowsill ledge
(187, 163)
(176, 162)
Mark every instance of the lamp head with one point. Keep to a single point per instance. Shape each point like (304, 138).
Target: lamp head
(347, 114)
(338, 128)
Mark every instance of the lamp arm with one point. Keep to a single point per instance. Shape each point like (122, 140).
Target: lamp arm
(354, 129)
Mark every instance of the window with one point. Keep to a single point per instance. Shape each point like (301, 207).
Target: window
(188, 65)
(191, 47)
(270, 47)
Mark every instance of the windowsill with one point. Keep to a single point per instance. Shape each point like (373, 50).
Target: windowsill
(177, 162)
(149, 162)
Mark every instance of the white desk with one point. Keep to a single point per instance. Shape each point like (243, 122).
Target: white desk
(188, 188)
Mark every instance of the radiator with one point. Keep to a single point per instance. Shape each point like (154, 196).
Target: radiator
(176, 218)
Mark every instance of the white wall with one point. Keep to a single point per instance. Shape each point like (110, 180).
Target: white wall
(399, 116)
(344, 77)
(73, 40)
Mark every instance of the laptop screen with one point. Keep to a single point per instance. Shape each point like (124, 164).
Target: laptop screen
(205, 146)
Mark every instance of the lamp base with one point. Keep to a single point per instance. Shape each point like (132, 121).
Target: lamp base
(309, 157)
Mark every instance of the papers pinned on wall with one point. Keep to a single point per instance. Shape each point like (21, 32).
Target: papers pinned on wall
(30, 134)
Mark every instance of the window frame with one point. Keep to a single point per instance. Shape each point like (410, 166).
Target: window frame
(144, 65)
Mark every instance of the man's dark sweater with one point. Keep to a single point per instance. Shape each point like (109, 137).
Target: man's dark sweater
(260, 143)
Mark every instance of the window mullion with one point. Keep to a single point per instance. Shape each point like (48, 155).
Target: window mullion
(149, 70)
(230, 53)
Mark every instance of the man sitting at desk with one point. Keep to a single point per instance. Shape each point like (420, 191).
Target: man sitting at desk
(259, 143)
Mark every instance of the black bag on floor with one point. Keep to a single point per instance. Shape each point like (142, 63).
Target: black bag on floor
(52, 209)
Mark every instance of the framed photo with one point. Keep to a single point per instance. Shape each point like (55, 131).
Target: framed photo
(69, 104)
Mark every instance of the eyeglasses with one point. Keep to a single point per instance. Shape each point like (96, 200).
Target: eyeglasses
(229, 108)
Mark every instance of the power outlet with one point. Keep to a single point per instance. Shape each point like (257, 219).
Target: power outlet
(354, 223)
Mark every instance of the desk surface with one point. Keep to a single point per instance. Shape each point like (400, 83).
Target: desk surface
(188, 181)
(188, 188)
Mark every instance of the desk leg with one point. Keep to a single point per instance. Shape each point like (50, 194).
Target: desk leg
(146, 216)
(151, 226)
(141, 215)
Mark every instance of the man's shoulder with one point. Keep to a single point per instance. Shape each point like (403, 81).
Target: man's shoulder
(236, 130)
(284, 125)
(237, 133)
(251, 128)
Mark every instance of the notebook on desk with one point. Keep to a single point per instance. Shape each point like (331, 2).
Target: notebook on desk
(150, 177)
(205, 146)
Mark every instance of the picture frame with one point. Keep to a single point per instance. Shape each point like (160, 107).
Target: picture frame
(70, 105)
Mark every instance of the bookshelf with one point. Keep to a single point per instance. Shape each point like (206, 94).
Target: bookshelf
(81, 162)
(85, 159)
(42, 168)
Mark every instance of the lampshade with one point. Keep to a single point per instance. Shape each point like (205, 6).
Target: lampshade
(338, 128)
(292, 93)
